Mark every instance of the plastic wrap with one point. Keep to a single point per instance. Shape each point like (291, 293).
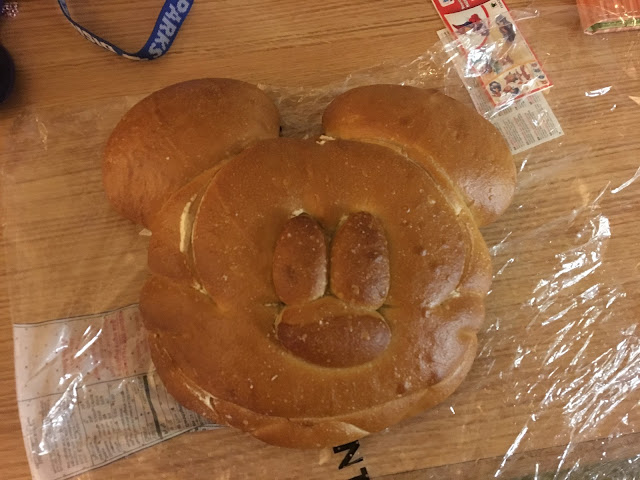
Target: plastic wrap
(553, 392)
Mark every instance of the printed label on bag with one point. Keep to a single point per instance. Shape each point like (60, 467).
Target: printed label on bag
(495, 51)
(88, 394)
(526, 123)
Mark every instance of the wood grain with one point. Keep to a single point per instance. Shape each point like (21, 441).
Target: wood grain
(66, 253)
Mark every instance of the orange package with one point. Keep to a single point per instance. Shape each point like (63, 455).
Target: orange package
(601, 16)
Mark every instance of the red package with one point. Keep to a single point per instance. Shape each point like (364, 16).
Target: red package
(601, 16)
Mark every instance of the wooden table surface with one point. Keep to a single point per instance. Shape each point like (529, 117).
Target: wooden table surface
(555, 385)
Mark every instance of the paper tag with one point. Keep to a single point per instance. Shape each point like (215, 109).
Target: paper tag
(88, 394)
(525, 124)
(495, 51)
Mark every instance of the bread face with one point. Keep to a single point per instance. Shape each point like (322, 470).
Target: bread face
(312, 292)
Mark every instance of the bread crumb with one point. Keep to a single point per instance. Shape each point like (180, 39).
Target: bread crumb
(324, 139)
(199, 287)
(201, 395)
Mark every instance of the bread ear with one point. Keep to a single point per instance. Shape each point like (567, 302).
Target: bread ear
(176, 133)
(455, 144)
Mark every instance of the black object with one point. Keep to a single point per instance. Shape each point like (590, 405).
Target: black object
(7, 74)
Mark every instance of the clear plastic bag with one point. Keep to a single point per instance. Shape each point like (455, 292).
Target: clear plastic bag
(553, 392)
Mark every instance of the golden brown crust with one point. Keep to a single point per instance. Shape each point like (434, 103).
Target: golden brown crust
(162, 301)
(174, 134)
(275, 381)
(310, 293)
(170, 244)
(461, 149)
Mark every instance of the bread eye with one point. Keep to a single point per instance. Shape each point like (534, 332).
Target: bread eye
(360, 262)
(300, 261)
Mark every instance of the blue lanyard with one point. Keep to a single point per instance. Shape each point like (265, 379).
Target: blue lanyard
(172, 15)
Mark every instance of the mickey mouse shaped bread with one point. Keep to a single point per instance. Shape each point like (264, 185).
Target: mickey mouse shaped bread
(310, 292)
